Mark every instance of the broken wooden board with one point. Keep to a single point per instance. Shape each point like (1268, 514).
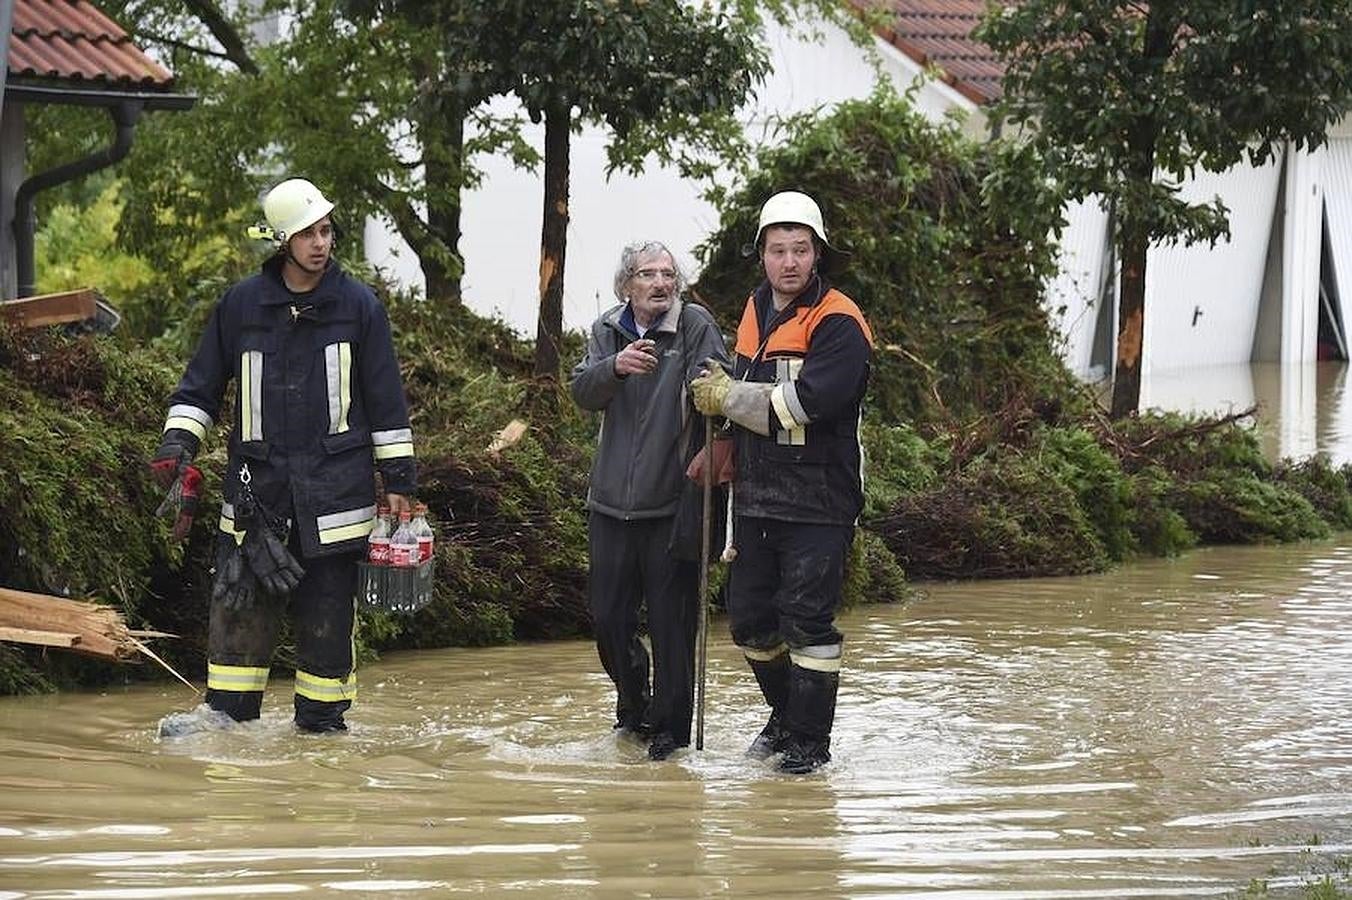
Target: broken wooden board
(98, 630)
(51, 309)
(40, 638)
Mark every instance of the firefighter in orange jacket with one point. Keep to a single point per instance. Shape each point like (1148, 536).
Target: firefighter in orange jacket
(793, 401)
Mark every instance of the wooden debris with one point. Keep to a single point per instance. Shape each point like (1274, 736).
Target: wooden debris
(91, 629)
(41, 638)
(512, 432)
(51, 309)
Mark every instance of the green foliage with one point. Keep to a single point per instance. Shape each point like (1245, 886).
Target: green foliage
(1229, 509)
(74, 248)
(71, 466)
(950, 242)
(872, 573)
(1158, 528)
(1325, 487)
(1126, 101)
(404, 115)
(898, 461)
(18, 675)
(1002, 516)
(1116, 93)
(1074, 457)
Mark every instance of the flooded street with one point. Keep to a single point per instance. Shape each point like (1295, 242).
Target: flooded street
(1173, 729)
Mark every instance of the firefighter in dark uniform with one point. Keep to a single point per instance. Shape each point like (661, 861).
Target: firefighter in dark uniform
(319, 408)
(793, 401)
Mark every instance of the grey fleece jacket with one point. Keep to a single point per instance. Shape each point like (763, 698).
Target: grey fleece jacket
(640, 465)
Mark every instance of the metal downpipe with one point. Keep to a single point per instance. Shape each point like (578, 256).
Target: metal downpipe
(125, 115)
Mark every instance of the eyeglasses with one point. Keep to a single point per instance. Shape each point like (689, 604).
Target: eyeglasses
(654, 274)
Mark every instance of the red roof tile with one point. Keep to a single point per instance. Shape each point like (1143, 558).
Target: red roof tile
(938, 33)
(70, 40)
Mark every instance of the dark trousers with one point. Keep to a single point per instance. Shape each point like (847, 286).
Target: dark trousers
(631, 567)
(241, 642)
(785, 584)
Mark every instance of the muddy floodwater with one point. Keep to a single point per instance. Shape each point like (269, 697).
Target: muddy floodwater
(1172, 729)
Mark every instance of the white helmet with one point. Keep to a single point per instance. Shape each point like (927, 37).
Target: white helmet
(791, 208)
(293, 206)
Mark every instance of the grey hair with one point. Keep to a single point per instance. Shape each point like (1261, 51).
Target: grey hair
(629, 258)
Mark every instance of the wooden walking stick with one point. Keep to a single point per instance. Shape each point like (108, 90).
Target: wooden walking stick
(702, 633)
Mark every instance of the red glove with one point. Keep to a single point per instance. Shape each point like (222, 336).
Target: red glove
(164, 470)
(725, 465)
(182, 497)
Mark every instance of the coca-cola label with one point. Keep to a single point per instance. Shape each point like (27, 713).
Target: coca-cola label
(379, 554)
(403, 554)
(424, 549)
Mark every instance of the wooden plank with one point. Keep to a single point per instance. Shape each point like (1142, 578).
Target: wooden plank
(102, 631)
(41, 638)
(50, 309)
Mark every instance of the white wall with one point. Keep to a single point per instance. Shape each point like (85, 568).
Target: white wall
(1073, 295)
(1338, 203)
(501, 218)
(1302, 248)
(1202, 302)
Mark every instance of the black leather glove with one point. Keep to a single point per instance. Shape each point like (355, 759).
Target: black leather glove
(272, 564)
(235, 585)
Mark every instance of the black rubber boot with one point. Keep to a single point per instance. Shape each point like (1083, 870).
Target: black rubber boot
(242, 706)
(773, 677)
(631, 717)
(810, 712)
(663, 745)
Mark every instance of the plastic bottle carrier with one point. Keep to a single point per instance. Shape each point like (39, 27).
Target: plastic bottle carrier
(398, 589)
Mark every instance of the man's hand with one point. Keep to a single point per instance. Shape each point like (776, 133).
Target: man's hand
(725, 466)
(397, 504)
(171, 469)
(710, 388)
(638, 358)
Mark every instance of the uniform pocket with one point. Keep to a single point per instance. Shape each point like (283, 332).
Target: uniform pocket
(347, 440)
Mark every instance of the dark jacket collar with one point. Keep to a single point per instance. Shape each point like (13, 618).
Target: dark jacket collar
(622, 317)
(280, 294)
(811, 295)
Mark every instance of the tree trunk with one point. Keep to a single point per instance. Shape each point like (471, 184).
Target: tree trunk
(1130, 326)
(441, 131)
(1135, 227)
(553, 242)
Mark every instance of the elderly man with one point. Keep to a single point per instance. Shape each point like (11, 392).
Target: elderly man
(640, 356)
(802, 364)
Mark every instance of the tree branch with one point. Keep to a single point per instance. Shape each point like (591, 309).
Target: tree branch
(225, 33)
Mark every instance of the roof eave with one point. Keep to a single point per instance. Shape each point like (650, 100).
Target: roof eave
(21, 90)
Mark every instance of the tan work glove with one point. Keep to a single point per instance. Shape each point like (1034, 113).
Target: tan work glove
(710, 388)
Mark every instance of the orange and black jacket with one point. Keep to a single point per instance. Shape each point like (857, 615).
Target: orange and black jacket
(817, 351)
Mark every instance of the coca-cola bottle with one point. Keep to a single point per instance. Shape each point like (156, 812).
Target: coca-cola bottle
(423, 531)
(404, 543)
(378, 544)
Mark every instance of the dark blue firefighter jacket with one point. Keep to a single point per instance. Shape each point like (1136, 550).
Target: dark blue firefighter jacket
(319, 404)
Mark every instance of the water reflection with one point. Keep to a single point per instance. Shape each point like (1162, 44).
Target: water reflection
(1302, 409)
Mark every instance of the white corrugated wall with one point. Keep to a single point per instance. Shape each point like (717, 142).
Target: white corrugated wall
(1073, 295)
(1301, 249)
(1202, 301)
(1338, 207)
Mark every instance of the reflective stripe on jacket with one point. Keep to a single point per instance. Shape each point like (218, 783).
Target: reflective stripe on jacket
(816, 351)
(319, 403)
